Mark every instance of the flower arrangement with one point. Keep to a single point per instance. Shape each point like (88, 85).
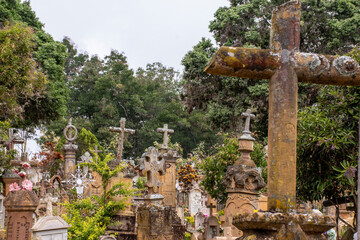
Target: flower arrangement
(25, 183)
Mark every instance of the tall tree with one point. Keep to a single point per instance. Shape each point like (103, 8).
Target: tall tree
(49, 55)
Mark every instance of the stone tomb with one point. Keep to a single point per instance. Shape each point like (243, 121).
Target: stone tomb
(50, 228)
(156, 221)
(20, 207)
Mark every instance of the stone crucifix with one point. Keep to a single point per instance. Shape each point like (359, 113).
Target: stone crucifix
(165, 130)
(121, 130)
(152, 166)
(284, 65)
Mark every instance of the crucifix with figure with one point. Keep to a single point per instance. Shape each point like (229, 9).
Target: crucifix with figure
(284, 66)
(121, 130)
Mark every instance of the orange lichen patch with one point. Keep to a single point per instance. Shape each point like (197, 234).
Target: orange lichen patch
(263, 63)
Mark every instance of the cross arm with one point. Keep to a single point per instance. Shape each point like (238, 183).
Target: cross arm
(263, 63)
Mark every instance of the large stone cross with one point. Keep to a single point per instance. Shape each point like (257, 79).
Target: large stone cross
(121, 130)
(152, 166)
(284, 65)
(165, 130)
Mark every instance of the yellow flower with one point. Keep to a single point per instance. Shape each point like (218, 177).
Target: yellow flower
(255, 210)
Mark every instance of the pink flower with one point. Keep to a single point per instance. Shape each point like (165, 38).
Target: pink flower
(27, 185)
(14, 187)
(16, 171)
(25, 165)
(22, 174)
(206, 215)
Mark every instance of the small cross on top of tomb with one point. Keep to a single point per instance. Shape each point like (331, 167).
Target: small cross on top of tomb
(211, 206)
(121, 130)
(246, 132)
(165, 130)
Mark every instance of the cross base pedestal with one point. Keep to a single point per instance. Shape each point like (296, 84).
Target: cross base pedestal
(270, 225)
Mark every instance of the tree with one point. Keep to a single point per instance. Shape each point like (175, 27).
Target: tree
(247, 23)
(49, 55)
(22, 83)
(90, 217)
(214, 166)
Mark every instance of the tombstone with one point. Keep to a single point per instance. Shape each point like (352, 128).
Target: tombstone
(20, 207)
(242, 181)
(212, 228)
(50, 228)
(284, 65)
(195, 199)
(199, 221)
(156, 221)
(70, 134)
(107, 237)
(2, 211)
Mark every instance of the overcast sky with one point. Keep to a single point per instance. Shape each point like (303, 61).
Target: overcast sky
(146, 31)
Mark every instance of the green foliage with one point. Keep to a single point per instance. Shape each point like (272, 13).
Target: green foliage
(215, 165)
(90, 217)
(5, 155)
(140, 182)
(247, 24)
(21, 83)
(48, 101)
(326, 138)
(104, 90)
(87, 142)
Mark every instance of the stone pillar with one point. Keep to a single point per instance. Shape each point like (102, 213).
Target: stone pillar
(8, 178)
(70, 134)
(168, 189)
(243, 181)
(20, 206)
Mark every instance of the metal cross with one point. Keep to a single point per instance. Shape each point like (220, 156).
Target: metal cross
(284, 65)
(121, 130)
(79, 181)
(165, 132)
(152, 165)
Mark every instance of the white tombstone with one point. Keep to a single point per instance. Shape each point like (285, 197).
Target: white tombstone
(199, 221)
(50, 228)
(2, 211)
(195, 200)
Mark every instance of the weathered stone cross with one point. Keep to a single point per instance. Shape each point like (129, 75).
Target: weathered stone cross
(121, 130)
(165, 132)
(12, 140)
(246, 132)
(96, 150)
(152, 165)
(284, 65)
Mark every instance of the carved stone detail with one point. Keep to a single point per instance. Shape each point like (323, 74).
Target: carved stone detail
(239, 178)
